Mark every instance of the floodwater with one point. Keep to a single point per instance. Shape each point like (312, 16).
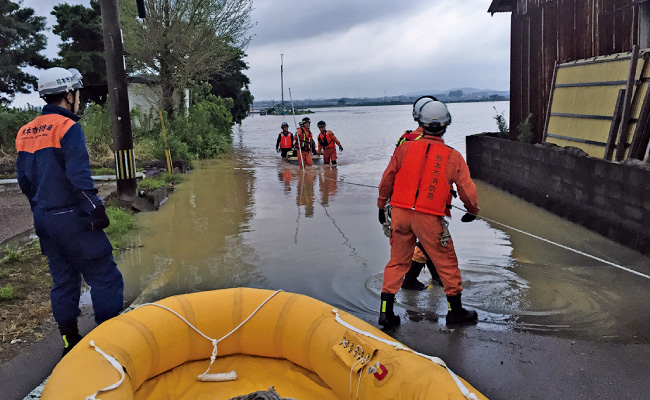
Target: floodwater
(252, 219)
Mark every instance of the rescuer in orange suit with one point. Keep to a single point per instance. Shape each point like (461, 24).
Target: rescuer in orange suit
(304, 142)
(420, 257)
(418, 181)
(327, 143)
(285, 140)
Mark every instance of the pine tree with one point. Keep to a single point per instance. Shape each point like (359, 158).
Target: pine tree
(82, 47)
(21, 42)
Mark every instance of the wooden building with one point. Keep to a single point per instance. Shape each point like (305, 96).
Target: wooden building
(546, 32)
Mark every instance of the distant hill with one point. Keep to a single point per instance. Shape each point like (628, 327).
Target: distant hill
(449, 96)
(467, 91)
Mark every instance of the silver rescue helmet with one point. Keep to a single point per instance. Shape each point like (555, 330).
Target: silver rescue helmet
(419, 103)
(284, 124)
(432, 115)
(59, 80)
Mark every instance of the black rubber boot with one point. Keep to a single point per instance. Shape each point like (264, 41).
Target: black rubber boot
(70, 335)
(457, 314)
(435, 278)
(411, 278)
(387, 318)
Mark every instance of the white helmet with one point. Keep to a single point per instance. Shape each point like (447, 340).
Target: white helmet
(59, 80)
(431, 114)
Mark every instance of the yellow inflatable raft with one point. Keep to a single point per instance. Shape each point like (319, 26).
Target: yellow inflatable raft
(226, 343)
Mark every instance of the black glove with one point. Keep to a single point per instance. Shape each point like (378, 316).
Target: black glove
(341, 149)
(468, 217)
(277, 150)
(99, 219)
(382, 216)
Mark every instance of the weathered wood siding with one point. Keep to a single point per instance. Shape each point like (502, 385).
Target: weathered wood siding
(544, 31)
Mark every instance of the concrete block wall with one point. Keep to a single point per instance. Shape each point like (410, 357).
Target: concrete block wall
(609, 198)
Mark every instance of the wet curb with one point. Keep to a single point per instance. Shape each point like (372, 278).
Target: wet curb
(24, 375)
(138, 175)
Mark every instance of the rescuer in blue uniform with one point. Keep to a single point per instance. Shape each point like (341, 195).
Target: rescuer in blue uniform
(54, 173)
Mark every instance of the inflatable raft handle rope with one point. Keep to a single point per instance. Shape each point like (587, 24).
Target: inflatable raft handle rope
(232, 375)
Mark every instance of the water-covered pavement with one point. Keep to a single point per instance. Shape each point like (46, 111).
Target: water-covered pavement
(553, 323)
(550, 317)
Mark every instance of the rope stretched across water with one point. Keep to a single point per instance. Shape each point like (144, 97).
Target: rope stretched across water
(622, 268)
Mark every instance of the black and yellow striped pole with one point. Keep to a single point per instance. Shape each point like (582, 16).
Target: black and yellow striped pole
(117, 92)
(168, 153)
(125, 164)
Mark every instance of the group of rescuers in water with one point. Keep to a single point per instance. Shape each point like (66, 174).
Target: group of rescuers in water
(53, 171)
(418, 185)
(304, 140)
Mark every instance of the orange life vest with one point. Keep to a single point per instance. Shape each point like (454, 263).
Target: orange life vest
(45, 131)
(325, 140)
(285, 140)
(421, 183)
(304, 135)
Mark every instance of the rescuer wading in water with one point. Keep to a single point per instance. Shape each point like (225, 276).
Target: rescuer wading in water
(285, 140)
(418, 181)
(327, 143)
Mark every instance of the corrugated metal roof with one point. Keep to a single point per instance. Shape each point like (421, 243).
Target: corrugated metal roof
(502, 6)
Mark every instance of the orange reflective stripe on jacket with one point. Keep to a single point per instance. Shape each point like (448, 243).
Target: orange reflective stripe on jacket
(43, 132)
(421, 183)
(285, 140)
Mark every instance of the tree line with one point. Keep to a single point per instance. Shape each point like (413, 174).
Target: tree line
(178, 42)
(181, 44)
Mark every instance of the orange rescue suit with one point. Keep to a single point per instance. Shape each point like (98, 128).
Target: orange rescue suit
(421, 183)
(305, 138)
(327, 140)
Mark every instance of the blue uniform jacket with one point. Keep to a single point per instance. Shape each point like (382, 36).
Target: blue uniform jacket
(53, 165)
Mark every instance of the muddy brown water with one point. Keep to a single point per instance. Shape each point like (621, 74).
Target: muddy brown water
(252, 219)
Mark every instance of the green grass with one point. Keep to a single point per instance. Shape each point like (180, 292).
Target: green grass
(7, 292)
(173, 178)
(160, 181)
(12, 255)
(102, 171)
(152, 183)
(121, 224)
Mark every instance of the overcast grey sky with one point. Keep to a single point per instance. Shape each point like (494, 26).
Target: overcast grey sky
(364, 48)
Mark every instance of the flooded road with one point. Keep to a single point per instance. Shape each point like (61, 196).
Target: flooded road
(252, 219)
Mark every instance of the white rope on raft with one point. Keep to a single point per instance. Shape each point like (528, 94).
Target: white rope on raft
(204, 377)
(115, 365)
(217, 377)
(398, 346)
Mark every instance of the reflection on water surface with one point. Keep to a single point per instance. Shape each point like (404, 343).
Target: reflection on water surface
(252, 219)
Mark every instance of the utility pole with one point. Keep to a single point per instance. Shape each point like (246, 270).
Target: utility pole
(119, 100)
(282, 78)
